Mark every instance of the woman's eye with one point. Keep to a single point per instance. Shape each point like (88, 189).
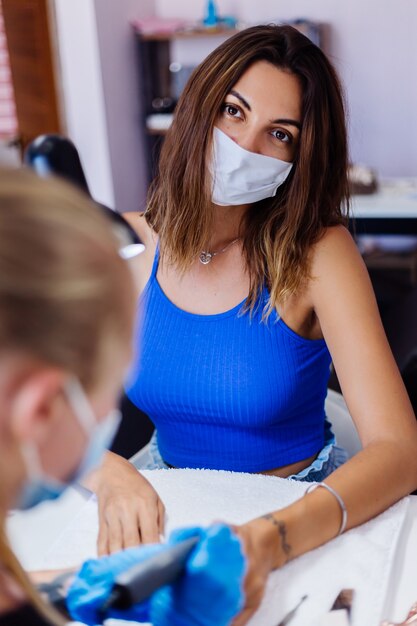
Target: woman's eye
(282, 136)
(231, 110)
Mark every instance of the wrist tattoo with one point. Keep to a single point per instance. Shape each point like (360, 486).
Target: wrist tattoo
(282, 529)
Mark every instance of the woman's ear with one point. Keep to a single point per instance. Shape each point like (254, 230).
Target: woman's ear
(34, 401)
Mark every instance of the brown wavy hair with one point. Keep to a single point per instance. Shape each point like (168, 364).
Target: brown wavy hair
(278, 232)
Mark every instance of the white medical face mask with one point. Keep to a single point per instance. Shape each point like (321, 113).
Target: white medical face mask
(40, 487)
(243, 177)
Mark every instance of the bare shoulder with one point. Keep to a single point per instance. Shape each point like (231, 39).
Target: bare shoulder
(336, 255)
(335, 243)
(140, 226)
(142, 265)
(337, 271)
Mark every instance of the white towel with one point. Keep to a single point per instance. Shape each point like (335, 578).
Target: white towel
(360, 559)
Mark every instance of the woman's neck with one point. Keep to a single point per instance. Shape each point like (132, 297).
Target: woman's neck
(227, 223)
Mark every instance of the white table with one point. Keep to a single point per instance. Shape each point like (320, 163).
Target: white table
(391, 210)
(404, 573)
(32, 533)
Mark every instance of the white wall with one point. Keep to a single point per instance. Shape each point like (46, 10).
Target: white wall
(82, 91)
(101, 95)
(194, 9)
(374, 46)
(121, 93)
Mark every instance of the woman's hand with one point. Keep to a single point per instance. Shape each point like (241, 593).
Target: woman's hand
(130, 511)
(260, 539)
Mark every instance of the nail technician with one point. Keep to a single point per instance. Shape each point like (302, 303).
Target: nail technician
(66, 318)
(251, 285)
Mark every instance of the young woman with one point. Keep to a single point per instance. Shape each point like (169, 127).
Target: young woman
(251, 286)
(66, 318)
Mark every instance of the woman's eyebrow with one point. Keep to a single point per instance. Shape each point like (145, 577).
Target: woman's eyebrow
(247, 106)
(237, 95)
(287, 121)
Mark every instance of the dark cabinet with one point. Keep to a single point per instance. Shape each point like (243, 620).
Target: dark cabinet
(162, 79)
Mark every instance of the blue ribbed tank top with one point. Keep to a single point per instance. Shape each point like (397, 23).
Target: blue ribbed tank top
(227, 391)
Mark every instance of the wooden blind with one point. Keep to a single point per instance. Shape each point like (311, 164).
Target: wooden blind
(29, 44)
(8, 121)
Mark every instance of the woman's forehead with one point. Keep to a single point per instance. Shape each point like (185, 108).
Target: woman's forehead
(275, 90)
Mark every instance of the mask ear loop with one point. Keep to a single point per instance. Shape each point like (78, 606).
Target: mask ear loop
(80, 404)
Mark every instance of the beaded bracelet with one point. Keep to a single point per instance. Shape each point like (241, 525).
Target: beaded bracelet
(338, 498)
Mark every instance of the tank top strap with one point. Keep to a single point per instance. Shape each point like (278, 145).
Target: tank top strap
(155, 263)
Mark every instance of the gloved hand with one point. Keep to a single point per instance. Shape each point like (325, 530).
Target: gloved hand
(211, 591)
(94, 581)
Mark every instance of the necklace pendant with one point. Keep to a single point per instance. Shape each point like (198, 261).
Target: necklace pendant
(205, 257)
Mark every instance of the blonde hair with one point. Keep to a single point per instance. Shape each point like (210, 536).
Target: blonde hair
(66, 296)
(14, 569)
(63, 286)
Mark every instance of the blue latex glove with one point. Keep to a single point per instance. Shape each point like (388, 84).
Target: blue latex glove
(208, 594)
(211, 591)
(94, 581)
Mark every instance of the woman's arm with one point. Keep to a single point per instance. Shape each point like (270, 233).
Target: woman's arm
(385, 469)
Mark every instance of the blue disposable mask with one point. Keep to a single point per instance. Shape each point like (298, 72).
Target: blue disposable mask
(40, 487)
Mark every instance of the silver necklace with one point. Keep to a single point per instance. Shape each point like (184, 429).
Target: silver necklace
(206, 256)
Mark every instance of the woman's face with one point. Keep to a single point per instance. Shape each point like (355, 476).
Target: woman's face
(262, 112)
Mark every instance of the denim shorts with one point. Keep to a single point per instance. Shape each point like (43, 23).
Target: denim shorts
(330, 457)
